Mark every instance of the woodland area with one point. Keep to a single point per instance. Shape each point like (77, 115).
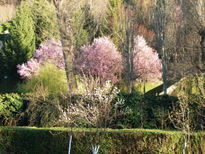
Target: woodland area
(118, 64)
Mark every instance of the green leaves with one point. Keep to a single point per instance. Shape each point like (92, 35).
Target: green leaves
(10, 105)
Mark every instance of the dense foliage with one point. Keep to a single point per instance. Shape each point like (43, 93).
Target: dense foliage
(45, 21)
(10, 106)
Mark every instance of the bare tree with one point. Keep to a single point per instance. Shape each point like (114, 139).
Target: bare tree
(180, 117)
(194, 12)
(64, 11)
(126, 35)
(160, 22)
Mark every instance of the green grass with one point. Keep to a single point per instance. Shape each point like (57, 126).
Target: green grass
(148, 86)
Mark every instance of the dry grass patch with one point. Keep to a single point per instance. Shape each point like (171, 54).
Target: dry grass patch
(7, 12)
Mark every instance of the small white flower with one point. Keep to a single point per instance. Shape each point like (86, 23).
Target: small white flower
(6, 32)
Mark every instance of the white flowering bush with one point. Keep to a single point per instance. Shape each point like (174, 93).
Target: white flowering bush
(94, 107)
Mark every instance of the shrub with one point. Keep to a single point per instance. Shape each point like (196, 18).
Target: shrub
(45, 70)
(10, 106)
(42, 110)
(21, 45)
(93, 108)
(48, 52)
(149, 112)
(101, 59)
(49, 77)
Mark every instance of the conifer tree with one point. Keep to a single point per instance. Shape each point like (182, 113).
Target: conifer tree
(21, 44)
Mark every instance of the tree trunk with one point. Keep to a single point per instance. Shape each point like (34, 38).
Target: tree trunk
(66, 41)
(202, 34)
(127, 63)
(164, 70)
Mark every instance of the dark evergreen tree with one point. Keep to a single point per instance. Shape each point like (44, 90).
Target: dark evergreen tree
(20, 45)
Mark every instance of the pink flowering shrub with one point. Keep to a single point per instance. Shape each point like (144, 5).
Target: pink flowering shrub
(26, 70)
(50, 51)
(101, 59)
(147, 65)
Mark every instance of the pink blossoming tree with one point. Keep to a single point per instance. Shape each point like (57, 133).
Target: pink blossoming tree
(101, 59)
(147, 65)
(50, 51)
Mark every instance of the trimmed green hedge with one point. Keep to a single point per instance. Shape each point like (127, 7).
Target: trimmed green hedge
(23, 140)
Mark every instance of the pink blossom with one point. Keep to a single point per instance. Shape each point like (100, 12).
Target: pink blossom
(50, 51)
(147, 65)
(26, 70)
(101, 59)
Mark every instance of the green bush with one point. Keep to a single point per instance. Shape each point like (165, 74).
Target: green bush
(10, 106)
(21, 43)
(42, 111)
(50, 79)
(42, 141)
(145, 112)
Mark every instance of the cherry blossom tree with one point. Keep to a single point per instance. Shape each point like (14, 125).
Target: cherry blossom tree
(101, 59)
(147, 65)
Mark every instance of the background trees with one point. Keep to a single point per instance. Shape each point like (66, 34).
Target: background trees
(194, 11)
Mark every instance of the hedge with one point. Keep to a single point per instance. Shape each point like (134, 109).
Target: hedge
(31, 140)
